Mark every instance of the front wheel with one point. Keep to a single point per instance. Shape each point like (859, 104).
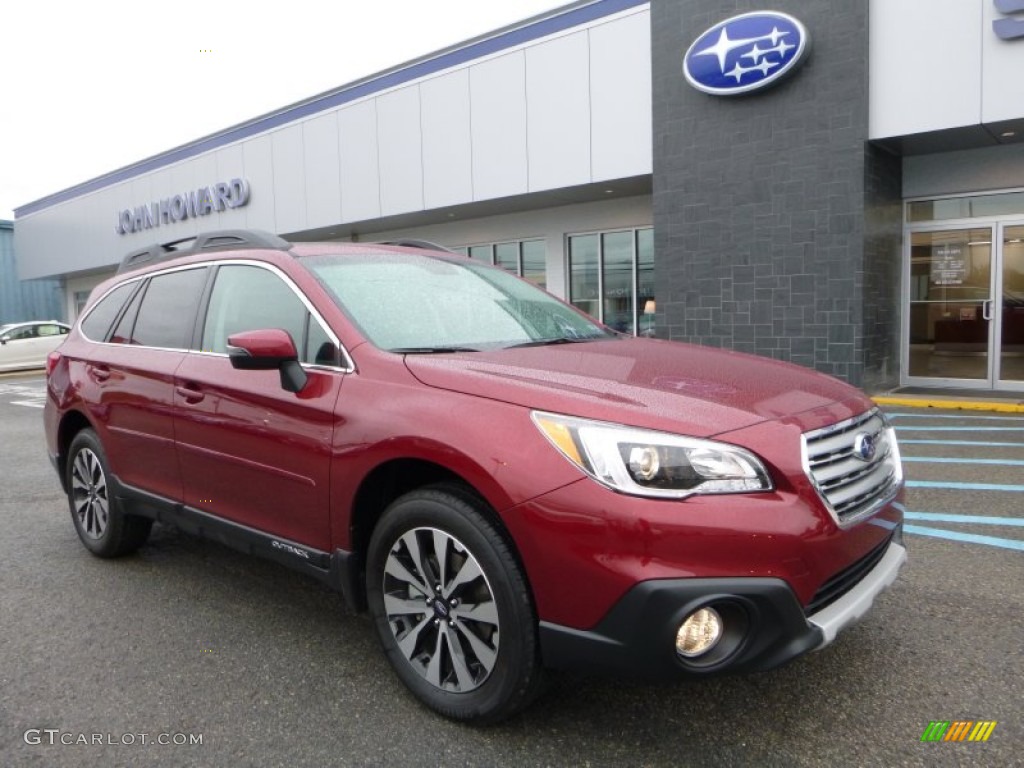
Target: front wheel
(102, 526)
(452, 609)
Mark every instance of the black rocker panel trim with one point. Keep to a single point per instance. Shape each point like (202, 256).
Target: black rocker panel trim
(340, 570)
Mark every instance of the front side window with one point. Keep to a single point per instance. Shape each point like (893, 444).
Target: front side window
(249, 298)
(24, 332)
(410, 303)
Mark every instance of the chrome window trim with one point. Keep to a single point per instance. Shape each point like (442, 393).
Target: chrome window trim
(348, 366)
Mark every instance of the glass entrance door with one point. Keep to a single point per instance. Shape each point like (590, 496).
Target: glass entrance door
(965, 324)
(1009, 310)
(949, 331)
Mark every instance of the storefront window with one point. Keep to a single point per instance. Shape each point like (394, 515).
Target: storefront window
(584, 271)
(506, 256)
(619, 293)
(526, 258)
(977, 206)
(535, 258)
(645, 281)
(612, 278)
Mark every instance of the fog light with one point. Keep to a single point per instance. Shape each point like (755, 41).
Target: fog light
(699, 633)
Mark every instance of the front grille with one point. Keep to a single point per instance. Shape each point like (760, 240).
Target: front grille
(853, 486)
(846, 579)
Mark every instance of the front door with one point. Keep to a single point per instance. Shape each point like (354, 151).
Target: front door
(965, 312)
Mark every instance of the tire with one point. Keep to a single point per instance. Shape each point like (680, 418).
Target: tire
(452, 608)
(103, 527)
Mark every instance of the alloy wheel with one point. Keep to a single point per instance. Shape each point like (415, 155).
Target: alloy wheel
(89, 494)
(441, 609)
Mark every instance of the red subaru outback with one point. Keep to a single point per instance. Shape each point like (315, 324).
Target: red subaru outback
(503, 483)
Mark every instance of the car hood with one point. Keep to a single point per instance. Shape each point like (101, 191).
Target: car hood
(665, 385)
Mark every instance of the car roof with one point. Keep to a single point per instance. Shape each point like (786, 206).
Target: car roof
(5, 326)
(248, 242)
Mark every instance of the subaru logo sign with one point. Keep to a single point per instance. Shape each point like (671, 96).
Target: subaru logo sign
(745, 53)
(864, 446)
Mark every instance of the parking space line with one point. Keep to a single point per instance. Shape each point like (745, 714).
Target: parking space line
(907, 428)
(972, 538)
(964, 486)
(960, 417)
(904, 441)
(945, 460)
(945, 517)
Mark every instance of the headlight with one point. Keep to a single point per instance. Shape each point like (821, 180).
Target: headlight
(643, 462)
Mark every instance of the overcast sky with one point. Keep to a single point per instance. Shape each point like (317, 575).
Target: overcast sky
(89, 86)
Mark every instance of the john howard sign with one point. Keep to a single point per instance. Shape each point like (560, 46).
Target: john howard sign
(192, 204)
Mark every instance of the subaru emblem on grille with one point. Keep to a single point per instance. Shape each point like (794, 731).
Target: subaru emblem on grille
(864, 446)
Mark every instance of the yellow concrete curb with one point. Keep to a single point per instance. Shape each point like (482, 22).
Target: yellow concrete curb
(953, 405)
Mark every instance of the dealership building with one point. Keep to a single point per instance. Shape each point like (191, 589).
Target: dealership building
(840, 185)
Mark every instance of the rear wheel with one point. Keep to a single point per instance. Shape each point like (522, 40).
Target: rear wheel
(452, 608)
(102, 526)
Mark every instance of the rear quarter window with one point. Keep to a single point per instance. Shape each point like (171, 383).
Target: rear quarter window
(96, 324)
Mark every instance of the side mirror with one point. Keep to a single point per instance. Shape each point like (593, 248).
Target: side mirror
(267, 350)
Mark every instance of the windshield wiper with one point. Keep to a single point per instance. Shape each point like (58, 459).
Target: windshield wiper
(556, 340)
(430, 350)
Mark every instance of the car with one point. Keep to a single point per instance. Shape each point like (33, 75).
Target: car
(26, 345)
(504, 485)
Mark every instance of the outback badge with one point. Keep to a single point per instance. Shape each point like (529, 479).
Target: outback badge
(745, 53)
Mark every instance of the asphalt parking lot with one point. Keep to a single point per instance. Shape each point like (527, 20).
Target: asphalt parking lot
(187, 641)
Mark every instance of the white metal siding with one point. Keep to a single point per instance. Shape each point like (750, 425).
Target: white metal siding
(400, 158)
(558, 113)
(321, 170)
(447, 144)
(360, 183)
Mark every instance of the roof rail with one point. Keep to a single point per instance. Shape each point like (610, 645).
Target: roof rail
(220, 240)
(410, 242)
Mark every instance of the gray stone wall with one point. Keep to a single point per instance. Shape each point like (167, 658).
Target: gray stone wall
(761, 201)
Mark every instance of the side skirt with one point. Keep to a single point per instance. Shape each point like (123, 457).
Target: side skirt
(340, 570)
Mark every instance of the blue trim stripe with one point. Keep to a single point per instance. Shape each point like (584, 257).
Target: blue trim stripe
(942, 517)
(964, 486)
(944, 460)
(961, 417)
(971, 538)
(907, 428)
(562, 21)
(959, 442)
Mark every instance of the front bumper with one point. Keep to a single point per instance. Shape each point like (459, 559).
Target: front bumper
(765, 625)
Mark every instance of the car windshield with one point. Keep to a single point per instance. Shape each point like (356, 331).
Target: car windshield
(413, 303)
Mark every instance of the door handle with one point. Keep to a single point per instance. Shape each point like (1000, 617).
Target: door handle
(100, 372)
(190, 394)
(986, 309)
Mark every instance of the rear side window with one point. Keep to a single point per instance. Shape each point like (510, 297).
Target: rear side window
(97, 323)
(168, 311)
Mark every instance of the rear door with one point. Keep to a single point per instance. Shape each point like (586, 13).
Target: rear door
(131, 378)
(250, 451)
